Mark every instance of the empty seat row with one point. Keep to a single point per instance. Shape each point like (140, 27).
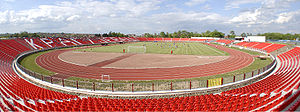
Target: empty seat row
(270, 93)
(174, 39)
(225, 41)
(268, 47)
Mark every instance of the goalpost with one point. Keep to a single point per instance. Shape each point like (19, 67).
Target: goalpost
(136, 49)
(105, 78)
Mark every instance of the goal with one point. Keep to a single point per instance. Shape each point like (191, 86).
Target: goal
(105, 78)
(136, 49)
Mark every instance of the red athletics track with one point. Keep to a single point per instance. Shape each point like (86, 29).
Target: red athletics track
(237, 60)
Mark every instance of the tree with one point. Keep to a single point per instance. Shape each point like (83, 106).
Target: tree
(184, 34)
(232, 34)
(34, 35)
(162, 34)
(105, 35)
(244, 35)
(175, 35)
(24, 34)
(98, 35)
(206, 34)
(148, 35)
(216, 33)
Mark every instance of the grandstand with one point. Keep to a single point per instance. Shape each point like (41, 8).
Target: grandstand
(225, 41)
(268, 47)
(278, 91)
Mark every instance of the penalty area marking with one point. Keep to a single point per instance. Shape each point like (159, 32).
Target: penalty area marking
(71, 62)
(214, 50)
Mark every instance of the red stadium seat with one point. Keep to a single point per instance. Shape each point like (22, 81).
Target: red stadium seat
(274, 92)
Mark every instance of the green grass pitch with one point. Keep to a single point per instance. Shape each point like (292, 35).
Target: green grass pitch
(194, 49)
(178, 48)
(30, 63)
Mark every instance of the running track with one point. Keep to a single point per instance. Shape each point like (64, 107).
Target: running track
(237, 60)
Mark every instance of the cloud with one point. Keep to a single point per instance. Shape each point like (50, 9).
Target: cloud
(269, 12)
(140, 16)
(102, 16)
(270, 16)
(231, 4)
(192, 21)
(248, 17)
(287, 17)
(194, 2)
(71, 18)
(5, 5)
(191, 16)
(62, 11)
(206, 7)
(82, 11)
(3, 16)
(10, 0)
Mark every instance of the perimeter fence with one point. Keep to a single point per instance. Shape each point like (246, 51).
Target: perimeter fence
(168, 85)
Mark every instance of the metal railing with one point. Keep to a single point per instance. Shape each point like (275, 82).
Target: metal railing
(169, 85)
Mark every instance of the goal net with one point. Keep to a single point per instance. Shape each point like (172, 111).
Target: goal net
(105, 78)
(136, 49)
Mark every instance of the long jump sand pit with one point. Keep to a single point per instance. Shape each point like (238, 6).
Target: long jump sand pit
(136, 61)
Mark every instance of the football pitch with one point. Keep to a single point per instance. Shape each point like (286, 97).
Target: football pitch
(156, 47)
(177, 48)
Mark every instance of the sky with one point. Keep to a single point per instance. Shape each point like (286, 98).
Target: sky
(149, 16)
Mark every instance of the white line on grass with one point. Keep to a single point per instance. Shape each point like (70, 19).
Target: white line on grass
(214, 50)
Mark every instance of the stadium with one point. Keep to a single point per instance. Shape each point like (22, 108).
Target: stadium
(147, 74)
